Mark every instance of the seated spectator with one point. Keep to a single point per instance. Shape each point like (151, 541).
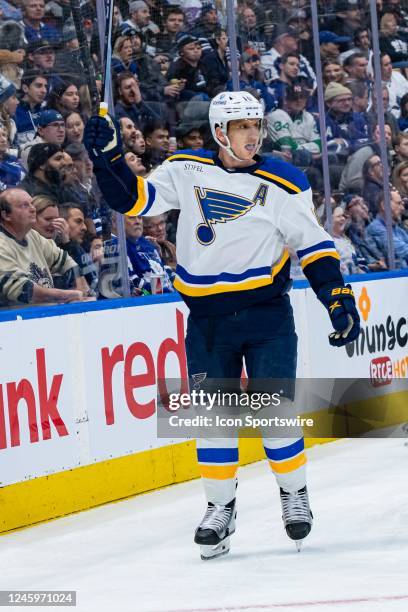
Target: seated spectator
(403, 119)
(8, 105)
(74, 128)
(143, 260)
(129, 101)
(41, 56)
(46, 173)
(400, 178)
(390, 42)
(48, 221)
(368, 255)
(292, 128)
(251, 78)
(77, 230)
(154, 228)
(344, 246)
(396, 83)
(132, 138)
(352, 175)
(140, 20)
(289, 75)
(346, 130)
(135, 164)
(207, 24)
(389, 113)
(156, 135)
(217, 68)
(253, 32)
(34, 88)
(330, 45)
(9, 11)
(12, 51)
(360, 94)
(401, 148)
(11, 171)
(27, 260)
(286, 39)
(65, 98)
(153, 85)
(372, 182)
(50, 129)
(122, 57)
(81, 181)
(333, 71)
(377, 230)
(356, 66)
(190, 136)
(190, 67)
(362, 44)
(349, 17)
(34, 28)
(174, 21)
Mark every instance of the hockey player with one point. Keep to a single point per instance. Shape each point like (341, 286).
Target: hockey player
(238, 211)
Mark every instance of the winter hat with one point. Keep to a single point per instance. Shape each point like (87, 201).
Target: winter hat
(68, 32)
(39, 154)
(137, 5)
(185, 39)
(7, 89)
(12, 36)
(335, 89)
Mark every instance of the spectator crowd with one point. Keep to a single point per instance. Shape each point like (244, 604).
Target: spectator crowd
(58, 238)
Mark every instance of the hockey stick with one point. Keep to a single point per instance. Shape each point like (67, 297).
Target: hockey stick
(85, 54)
(107, 52)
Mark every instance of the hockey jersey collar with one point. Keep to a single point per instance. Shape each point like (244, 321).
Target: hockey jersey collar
(248, 169)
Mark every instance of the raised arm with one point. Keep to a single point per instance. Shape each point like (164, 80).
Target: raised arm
(124, 192)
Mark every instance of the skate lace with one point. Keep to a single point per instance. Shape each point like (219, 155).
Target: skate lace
(216, 517)
(295, 507)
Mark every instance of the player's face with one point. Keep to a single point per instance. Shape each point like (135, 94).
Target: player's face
(244, 137)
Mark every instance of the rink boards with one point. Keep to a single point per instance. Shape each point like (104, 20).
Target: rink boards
(78, 392)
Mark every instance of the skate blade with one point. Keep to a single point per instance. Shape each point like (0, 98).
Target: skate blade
(212, 552)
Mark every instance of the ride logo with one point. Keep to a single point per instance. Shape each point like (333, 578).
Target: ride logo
(379, 338)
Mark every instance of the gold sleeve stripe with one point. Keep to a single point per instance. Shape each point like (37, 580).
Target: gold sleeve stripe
(316, 256)
(140, 203)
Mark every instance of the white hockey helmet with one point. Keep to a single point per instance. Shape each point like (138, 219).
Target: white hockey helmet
(232, 105)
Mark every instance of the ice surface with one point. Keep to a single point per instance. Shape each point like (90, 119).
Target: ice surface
(138, 555)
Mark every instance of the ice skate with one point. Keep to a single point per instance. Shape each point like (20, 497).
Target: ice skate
(213, 533)
(296, 514)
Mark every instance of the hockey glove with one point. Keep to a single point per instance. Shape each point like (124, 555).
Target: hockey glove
(343, 313)
(103, 141)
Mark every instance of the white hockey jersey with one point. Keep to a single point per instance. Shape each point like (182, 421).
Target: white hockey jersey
(234, 227)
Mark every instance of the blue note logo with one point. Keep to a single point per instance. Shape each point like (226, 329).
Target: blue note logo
(221, 207)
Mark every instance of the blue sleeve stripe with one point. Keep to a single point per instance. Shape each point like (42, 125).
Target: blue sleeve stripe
(217, 455)
(151, 191)
(223, 276)
(279, 454)
(326, 244)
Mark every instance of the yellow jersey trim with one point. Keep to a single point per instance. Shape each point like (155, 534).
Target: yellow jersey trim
(278, 179)
(140, 203)
(246, 285)
(316, 256)
(193, 157)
